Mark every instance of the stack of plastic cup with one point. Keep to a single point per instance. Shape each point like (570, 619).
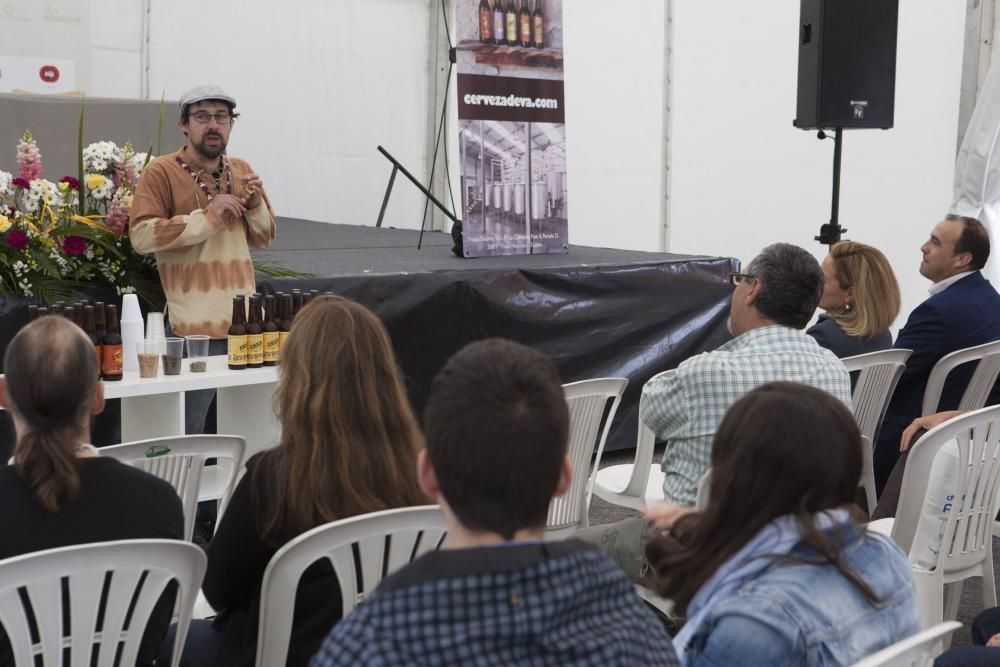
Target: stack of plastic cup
(132, 329)
(154, 326)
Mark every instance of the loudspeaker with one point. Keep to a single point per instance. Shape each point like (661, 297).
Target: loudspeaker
(847, 64)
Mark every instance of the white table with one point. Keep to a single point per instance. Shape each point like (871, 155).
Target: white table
(154, 407)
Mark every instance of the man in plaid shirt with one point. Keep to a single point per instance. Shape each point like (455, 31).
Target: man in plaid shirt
(497, 427)
(771, 304)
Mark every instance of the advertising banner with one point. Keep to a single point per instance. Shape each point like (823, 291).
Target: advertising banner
(512, 127)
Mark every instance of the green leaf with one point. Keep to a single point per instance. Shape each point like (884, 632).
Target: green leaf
(79, 161)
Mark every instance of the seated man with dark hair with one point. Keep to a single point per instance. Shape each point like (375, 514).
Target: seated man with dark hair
(497, 426)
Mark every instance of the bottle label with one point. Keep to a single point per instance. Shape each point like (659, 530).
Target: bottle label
(485, 24)
(539, 32)
(498, 27)
(237, 350)
(112, 360)
(255, 349)
(525, 29)
(271, 345)
(511, 27)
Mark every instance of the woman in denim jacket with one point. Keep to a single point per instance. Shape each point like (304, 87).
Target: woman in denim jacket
(775, 570)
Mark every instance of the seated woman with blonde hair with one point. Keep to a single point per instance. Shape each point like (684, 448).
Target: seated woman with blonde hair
(860, 299)
(349, 446)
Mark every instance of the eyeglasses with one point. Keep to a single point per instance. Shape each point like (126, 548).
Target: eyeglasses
(203, 117)
(737, 278)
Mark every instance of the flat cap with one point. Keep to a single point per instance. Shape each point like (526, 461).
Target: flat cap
(202, 93)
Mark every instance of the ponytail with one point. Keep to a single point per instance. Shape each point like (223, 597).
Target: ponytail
(48, 466)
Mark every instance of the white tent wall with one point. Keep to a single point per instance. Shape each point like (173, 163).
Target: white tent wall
(743, 177)
(320, 84)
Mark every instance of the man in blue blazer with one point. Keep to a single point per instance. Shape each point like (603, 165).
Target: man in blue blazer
(962, 311)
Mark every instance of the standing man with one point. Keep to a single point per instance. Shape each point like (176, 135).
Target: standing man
(199, 211)
(962, 311)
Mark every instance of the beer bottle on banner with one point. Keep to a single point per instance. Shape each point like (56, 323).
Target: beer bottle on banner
(538, 25)
(270, 333)
(112, 361)
(255, 336)
(237, 338)
(91, 330)
(485, 22)
(510, 19)
(524, 24)
(285, 321)
(498, 26)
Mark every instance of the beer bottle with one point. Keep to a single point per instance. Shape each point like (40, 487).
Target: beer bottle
(285, 322)
(255, 336)
(511, 23)
(524, 24)
(237, 337)
(57, 308)
(32, 313)
(69, 313)
(485, 22)
(270, 333)
(43, 311)
(99, 322)
(296, 302)
(538, 25)
(498, 27)
(91, 330)
(111, 349)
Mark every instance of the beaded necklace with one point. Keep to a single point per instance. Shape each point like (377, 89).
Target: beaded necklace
(196, 175)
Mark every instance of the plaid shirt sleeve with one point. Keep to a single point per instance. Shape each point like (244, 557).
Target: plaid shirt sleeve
(664, 406)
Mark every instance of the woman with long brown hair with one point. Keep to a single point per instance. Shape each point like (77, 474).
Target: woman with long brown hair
(775, 570)
(348, 446)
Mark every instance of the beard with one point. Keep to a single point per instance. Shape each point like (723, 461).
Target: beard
(210, 152)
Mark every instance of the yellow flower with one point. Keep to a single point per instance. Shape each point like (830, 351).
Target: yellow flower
(4, 224)
(95, 181)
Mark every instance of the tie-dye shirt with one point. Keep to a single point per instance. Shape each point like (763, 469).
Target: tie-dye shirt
(203, 259)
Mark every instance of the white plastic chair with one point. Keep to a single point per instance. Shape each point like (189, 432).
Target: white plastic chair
(136, 569)
(916, 651)
(967, 543)
(180, 460)
(878, 374)
(633, 485)
(385, 542)
(590, 420)
(980, 384)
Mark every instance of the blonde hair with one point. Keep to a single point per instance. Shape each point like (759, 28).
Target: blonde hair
(349, 438)
(866, 271)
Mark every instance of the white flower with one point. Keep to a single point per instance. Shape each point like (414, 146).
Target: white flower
(139, 163)
(40, 191)
(99, 156)
(6, 189)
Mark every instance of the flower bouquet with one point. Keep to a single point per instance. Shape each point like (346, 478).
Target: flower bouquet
(59, 236)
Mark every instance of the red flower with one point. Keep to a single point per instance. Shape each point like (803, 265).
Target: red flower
(73, 183)
(74, 245)
(17, 239)
(21, 183)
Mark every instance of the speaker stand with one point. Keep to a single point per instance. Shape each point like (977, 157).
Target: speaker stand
(830, 233)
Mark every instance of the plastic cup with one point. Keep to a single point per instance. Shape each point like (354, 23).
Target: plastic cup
(173, 353)
(130, 308)
(197, 353)
(154, 326)
(148, 355)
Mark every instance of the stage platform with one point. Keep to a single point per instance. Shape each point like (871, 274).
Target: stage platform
(598, 312)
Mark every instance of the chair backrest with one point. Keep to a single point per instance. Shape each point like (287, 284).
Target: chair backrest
(980, 385)
(968, 528)
(702, 494)
(592, 407)
(363, 548)
(645, 446)
(68, 583)
(878, 374)
(916, 651)
(867, 481)
(180, 460)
